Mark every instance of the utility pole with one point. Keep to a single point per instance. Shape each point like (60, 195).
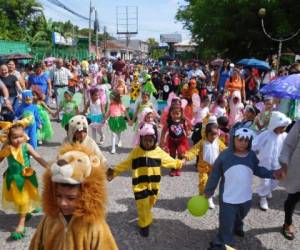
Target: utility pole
(127, 22)
(105, 40)
(96, 31)
(90, 24)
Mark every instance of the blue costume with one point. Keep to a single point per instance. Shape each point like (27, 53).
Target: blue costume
(235, 194)
(28, 108)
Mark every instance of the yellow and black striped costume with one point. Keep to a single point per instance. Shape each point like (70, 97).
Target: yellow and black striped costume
(146, 176)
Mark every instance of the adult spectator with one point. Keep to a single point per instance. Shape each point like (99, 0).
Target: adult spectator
(289, 159)
(196, 72)
(12, 84)
(60, 77)
(40, 79)
(74, 80)
(12, 71)
(252, 83)
(76, 66)
(158, 83)
(235, 82)
(223, 74)
(4, 97)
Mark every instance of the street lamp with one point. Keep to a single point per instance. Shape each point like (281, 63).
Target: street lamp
(262, 13)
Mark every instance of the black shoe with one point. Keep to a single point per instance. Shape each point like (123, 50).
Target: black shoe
(239, 233)
(144, 231)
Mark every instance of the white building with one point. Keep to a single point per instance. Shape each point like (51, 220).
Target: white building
(136, 49)
(185, 46)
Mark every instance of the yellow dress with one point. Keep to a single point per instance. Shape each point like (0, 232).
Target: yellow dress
(20, 185)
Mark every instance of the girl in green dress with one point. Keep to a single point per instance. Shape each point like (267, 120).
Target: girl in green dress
(20, 185)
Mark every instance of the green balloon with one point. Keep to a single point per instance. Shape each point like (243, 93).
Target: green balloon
(198, 205)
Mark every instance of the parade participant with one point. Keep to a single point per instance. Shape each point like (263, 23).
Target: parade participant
(20, 184)
(167, 87)
(206, 151)
(145, 161)
(220, 109)
(235, 167)
(46, 132)
(69, 108)
(74, 202)
(148, 85)
(96, 110)
(116, 121)
(263, 118)
(235, 108)
(248, 121)
(120, 87)
(176, 140)
(223, 129)
(141, 105)
(78, 133)
(187, 92)
(147, 117)
(201, 111)
(135, 87)
(29, 109)
(289, 159)
(268, 146)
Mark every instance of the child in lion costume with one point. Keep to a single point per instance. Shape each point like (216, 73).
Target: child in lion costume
(74, 202)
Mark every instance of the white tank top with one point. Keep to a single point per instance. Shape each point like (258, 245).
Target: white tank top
(95, 108)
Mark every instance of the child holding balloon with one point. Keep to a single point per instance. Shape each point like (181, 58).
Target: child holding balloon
(235, 167)
(145, 161)
(206, 150)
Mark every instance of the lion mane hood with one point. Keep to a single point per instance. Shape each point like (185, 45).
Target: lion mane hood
(91, 206)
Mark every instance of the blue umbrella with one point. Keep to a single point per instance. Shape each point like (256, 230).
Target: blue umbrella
(283, 87)
(254, 63)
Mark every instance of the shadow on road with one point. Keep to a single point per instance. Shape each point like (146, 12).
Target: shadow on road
(121, 150)
(171, 233)
(8, 222)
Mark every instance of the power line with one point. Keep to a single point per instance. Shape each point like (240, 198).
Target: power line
(61, 5)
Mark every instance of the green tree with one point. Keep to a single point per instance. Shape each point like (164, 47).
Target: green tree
(232, 28)
(18, 20)
(154, 50)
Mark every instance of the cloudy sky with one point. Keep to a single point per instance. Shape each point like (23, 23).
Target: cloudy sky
(155, 17)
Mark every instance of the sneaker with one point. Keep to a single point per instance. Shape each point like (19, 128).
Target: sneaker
(263, 204)
(144, 231)
(239, 233)
(270, 196)
(120, 144)
(177, 172)
(211, 203)
(172, 173)
(113, 151)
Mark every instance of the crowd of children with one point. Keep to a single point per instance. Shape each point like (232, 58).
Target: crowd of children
(233, 140)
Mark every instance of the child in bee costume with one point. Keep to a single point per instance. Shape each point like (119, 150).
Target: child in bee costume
(145, 161)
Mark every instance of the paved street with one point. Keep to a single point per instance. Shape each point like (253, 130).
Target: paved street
(173, 227)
